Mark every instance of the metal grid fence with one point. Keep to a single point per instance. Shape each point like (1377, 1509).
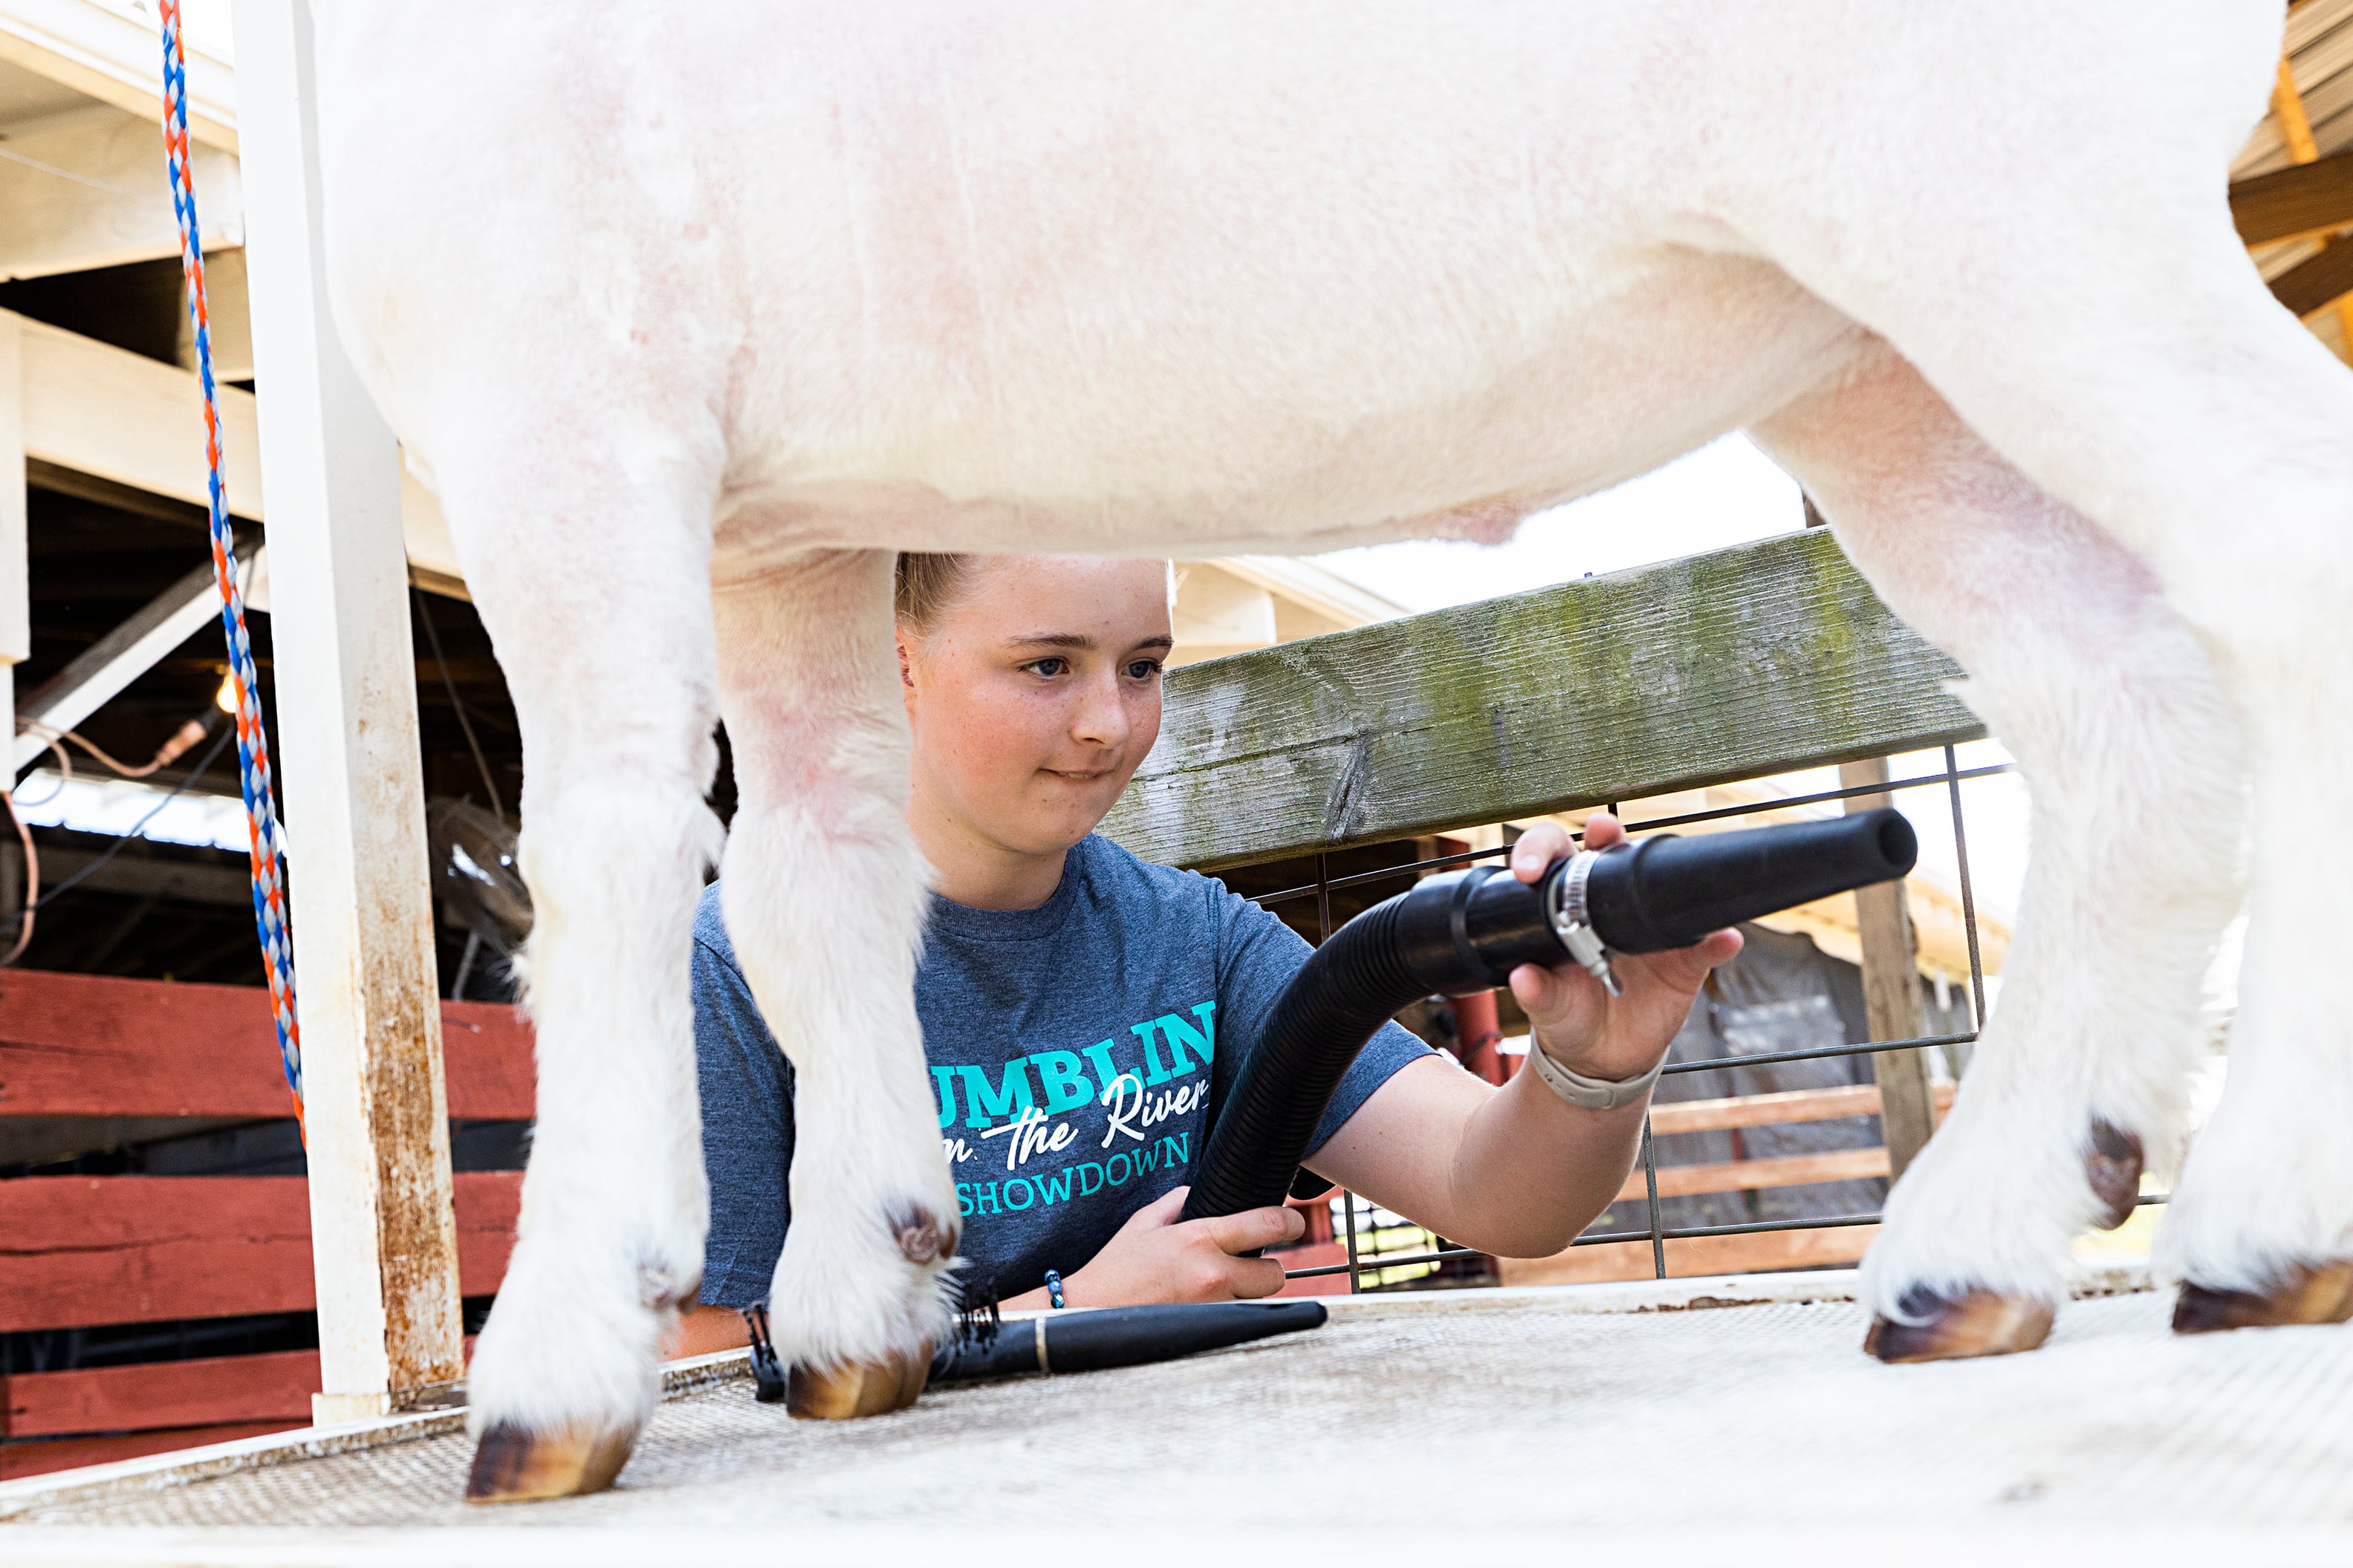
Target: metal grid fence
(1952, 777)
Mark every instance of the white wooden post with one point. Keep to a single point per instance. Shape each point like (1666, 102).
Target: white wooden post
(383, 1235)
(16, 618)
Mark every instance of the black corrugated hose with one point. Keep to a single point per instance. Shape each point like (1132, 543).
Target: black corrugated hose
(1467, 930)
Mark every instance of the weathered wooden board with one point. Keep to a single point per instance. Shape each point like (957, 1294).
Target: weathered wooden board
(1737, 663)
(1756, 1175)
(76, 1251)
(1776, 1109)
(87, 1045)
(1751, 1254)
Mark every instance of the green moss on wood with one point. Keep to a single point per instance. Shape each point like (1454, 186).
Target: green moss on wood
(1757, 659)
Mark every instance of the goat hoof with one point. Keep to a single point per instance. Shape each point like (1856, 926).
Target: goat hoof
(512, 1464)
(2309, 1293)
(2113, 1167)
(859, 1388)
(1976, 1322)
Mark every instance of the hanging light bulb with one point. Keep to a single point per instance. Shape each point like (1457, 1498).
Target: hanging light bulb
(226, 698)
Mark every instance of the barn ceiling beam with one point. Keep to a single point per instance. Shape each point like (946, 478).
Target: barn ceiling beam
(85, 189)
(115, 660)
(132, 875)
(135, 421)
(2313, 284)
(2303, 201)
(112, 53)
(2309, 277)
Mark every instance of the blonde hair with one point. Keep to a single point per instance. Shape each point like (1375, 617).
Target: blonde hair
(924, 587)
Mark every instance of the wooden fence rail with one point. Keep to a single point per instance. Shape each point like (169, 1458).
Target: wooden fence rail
(87, 1045)
(1731, 665)
(88, 1250)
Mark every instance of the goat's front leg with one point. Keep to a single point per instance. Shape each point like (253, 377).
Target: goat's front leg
(594, 585)
(824, 898)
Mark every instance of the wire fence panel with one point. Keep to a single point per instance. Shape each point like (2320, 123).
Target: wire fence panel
(1363, 1259)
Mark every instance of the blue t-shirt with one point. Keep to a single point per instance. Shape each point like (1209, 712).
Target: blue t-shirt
(1079, 1052)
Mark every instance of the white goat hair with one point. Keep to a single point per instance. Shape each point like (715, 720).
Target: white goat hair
(692, 315)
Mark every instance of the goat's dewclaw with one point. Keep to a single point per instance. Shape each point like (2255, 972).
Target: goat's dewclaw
(2113, 1167)
(2311, 1293)
(511, 1465)
(1978, 1322)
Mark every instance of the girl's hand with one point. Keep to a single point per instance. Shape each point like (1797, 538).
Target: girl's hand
(1578, 1023)
(1154, 1258)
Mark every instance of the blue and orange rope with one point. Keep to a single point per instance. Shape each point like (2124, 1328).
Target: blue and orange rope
(266, 846)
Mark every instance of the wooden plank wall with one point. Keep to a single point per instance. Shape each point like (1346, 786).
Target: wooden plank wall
(88, 1250)
(1731, 665)
(87, 1045)
(82, 1251)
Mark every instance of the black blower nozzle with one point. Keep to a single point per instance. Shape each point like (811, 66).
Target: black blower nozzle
(1467, 930)
(1668, 892)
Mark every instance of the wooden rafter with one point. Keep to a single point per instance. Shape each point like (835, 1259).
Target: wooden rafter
(2304, 201)
(2326, 278)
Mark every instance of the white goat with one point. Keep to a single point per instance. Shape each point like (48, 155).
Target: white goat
(692, 314)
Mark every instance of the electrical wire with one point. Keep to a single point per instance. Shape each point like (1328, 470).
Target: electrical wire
(15, 157)
(64, 775)
(170, 751)
(442, 665)
(211, 753)
(32, 884)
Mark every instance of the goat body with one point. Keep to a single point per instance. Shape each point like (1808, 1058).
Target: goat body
(691, 316)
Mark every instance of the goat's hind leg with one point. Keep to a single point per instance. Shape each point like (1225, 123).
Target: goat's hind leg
(2214, 437)
(594, 585)
(2114, 714)
(824, 900)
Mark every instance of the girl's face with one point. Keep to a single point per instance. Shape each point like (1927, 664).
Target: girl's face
(1034, 695)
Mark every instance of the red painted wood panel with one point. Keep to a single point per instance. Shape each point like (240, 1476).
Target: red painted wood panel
(90, 1044)
(276, 1386)
(42, 1459)
(76, 1251)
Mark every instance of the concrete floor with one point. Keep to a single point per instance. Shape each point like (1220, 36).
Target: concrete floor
(1593, 1424)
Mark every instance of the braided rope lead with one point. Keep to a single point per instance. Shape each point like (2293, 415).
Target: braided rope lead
(266, 845)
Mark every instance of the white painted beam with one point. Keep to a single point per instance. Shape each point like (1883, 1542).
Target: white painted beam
(384, 1234)
(16, 627)
(100, 410)
(117, 659)
(111, 50)
(1218, 614)
(87, 188)
(231, 315)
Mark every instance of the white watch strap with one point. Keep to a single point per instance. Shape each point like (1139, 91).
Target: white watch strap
(1591, 1093)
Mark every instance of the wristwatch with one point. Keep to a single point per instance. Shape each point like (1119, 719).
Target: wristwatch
(1591, 1093)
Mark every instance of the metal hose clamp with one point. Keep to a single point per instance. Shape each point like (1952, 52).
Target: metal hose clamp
(1568, 917)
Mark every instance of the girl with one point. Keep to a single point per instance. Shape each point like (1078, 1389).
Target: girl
(1081, 1008)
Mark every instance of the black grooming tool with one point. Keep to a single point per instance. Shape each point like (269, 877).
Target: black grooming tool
(1093, 1341)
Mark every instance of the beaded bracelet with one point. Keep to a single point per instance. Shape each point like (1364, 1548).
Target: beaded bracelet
(1054, 1288)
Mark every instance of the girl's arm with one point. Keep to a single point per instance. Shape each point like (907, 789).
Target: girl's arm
(1517, 1171)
